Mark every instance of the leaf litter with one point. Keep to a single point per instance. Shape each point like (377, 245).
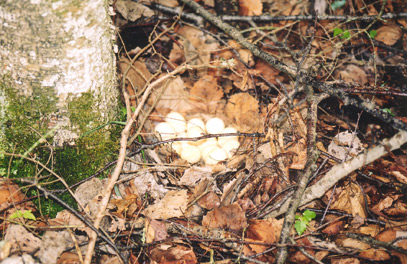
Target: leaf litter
(166, 210)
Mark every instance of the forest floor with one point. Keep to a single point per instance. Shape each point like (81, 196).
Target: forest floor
(256, 132)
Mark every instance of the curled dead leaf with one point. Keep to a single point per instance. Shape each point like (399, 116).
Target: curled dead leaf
(389, 35)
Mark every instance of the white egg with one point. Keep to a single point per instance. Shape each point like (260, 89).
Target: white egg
(221, 140)
(216, 155)
(165, 130)
(177, 121)
(177, 146)
(196, 122)
(207, 150)
(190, 153)
(194, 132)
(215, 125)
(209, 142)
(230, 146)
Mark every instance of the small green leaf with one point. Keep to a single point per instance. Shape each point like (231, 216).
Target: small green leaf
(26, 215)
(345, 35)
(338, 4)
(337, 31)
(372, 33)
(309, 215)
(3, 172)
(300, 226)
(387, 110)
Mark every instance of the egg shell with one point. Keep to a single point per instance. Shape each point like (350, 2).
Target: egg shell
(177, 121)
(194, 132)
(190, 153)
(216, 155)
(230, 146)
(214, 125)
(207, 150)
(196, 122)
(177, 146)
(165, 130)
(221, 140)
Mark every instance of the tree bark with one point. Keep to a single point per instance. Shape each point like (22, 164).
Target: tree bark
(57, 69)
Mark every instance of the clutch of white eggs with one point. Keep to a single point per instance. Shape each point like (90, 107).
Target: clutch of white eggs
(210, 150)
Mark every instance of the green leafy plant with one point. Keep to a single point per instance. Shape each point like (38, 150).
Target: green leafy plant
(372, 33)
(338, 4)
(342, 34)
(24, 214)
(387, 110)
(303, 220)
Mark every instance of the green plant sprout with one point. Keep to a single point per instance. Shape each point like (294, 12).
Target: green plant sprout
(303, 220)
(338, 4)
(387, 110)
(24, 214)
(372, 33)
(342, 34)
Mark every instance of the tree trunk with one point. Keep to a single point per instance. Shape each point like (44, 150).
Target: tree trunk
(57, 70)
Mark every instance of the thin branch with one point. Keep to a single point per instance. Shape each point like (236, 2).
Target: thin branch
(268, 18)
(340, 171)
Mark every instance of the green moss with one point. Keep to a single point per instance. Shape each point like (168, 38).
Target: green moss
(26, 119)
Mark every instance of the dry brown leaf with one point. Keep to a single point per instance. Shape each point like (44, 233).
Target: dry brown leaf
(192, 176)
(174, 204)
(136, 77)
(243, 110)
(250, 7)
(172, 254)
(174, 97)
(371, 230)
(399, 209)
(260, 231)
(209, 201)
(230, 216)
(155, 231)
(298, 257)
(132, 11)
(123, 205)
(374, 254)
(10, 194)
(335, 227)
(353, 243)
(383, 204)
(206, 94)
(68, 258)
(349, 199)
(21, 240)
(389, 35)
(345, 261)
(197, 46)
(266, 71)
(352, 74)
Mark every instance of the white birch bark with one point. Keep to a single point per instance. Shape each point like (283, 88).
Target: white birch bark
(57, 51)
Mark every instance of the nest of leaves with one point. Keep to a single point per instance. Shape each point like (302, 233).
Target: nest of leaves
(310, 142)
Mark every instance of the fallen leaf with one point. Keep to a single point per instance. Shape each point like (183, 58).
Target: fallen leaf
(206, 94)
(172, 254)
(353, 243)
(171, 96)
(250, 7)
(230, 217)
(345, 261)
(389, 35)
(352, 74)
(374, 254)
(155, 231)
(132, 11)
(174, 204)
(243, 110)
